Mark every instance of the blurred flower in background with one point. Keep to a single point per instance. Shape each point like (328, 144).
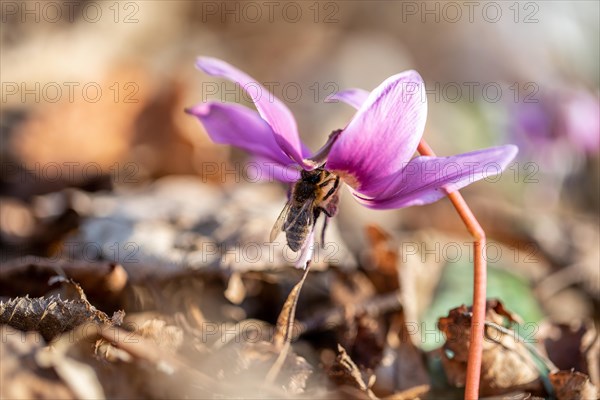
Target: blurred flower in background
(558, 133)
(568, 120)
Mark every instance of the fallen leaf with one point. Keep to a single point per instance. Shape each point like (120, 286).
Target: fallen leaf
(345, 372)
(573, 385)
(507, 363)
(51, 316)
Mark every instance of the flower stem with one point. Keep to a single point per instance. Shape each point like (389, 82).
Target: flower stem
(479, 285)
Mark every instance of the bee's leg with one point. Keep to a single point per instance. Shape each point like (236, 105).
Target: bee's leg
(323, 231)
(325, 183)
(479, 286)
(325, 211)
(336, 184)
(316, 213)
(328, 215)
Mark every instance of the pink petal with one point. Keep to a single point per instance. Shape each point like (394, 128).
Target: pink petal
(271, 109)
(239, 126)
(352, 97)
(265, 170)
(428, 179)
(306, 253)
(383, 135)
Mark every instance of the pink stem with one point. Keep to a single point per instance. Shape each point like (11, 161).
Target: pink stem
(479, 285)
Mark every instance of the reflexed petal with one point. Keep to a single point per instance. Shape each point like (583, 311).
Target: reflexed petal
(265, 170)
(428, 179)
(271, 109)
(353, 97)
(241, 127)
(383, 135)
(307, 251)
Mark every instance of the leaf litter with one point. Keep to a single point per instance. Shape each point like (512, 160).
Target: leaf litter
(200, 330)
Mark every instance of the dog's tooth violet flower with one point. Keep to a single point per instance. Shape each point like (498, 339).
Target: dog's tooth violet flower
(373, 154)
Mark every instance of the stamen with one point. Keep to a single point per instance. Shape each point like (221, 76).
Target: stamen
(321, 155)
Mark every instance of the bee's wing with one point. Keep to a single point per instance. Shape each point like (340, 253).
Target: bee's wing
(278, 226)
(304, 214)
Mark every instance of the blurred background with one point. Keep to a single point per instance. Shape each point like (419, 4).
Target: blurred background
(100, 163)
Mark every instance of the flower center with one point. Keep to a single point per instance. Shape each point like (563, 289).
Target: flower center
(347, 177)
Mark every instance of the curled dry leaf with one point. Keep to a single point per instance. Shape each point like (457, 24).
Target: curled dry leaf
(346, 374)
(287, 317)
(573, 385)
(282, 338)
(51, 316)
(507, 364)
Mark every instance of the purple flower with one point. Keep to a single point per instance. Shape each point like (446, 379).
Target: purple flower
(567, 119)
(373, 154)
(581, 115)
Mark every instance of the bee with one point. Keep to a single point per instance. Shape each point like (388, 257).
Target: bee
(314, 193)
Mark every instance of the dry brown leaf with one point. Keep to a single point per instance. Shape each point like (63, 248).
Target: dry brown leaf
(507, 364)
(50, 316)
(573, 385)
(287, 317)
(284, 333)
(346, 373)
